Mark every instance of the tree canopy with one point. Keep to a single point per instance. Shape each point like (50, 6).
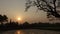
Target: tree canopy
(3, 18)
(48, 6)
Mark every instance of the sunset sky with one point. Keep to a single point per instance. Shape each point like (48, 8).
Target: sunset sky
(15, 8)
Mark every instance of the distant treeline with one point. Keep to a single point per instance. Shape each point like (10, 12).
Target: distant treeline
(26, 25)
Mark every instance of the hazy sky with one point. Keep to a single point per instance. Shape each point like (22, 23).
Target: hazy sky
(15, 8)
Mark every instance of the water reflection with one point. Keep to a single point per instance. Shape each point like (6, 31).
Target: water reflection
(24, 32)
(30, 31)
(19, 32)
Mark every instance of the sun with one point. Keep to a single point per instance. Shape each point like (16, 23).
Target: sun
(18, 18)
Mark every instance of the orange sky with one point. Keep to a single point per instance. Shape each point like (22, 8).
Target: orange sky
(15, 8)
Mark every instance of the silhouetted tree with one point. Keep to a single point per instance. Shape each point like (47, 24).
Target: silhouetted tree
(3, 18)
(46, 6)
(26, 23)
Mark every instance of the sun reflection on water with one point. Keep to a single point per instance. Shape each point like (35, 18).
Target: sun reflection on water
(24, 32)
(18, 32)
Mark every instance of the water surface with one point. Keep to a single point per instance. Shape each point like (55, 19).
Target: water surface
(30, 31)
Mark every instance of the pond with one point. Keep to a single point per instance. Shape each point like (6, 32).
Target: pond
(30, 31)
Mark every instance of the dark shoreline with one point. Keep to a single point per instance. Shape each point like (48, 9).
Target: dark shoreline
(30, 28)
(26, 25)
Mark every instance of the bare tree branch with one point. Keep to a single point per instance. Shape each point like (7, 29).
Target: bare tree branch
(49, 7)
